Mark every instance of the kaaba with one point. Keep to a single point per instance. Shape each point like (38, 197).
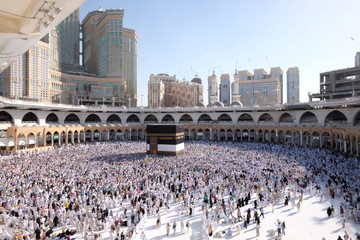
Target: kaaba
(164, 139)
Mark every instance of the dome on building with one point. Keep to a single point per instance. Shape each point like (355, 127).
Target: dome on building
(218, 104)
(196, 79)
(200, 104)
(236, 104)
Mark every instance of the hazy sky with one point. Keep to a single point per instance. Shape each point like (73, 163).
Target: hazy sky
(191, 37)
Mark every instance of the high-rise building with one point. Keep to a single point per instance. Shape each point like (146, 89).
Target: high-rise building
(293, 85)
(277, 73)
(212, 89)
(338, 84)
(225, 89)
(166, 91)
(258, 89)
(69, 39)
(110, 50)
(110, 47)
(28, 76)
(357, 59)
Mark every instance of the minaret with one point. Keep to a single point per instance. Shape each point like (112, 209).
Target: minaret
(235, 91)
(212, 89)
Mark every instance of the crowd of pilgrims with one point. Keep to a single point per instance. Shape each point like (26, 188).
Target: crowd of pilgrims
(111, 186)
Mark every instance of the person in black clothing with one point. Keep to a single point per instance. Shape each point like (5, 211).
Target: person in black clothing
(329, 211)
(37, 233)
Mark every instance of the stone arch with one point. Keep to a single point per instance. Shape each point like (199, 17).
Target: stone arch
(133, 119)
(224, 118)
(335, 119)
(30, 118)
(252, 135)
(5, 117)
(281, 137)
(72, 118)
(151, 119)
(296, 138)
(93, 118)
(286, 118)
(52, 118)
(168, 119)
(265, 117)
(245, 135)
(245, 118)
(326, 140)
(356, 121)
(204, 118)
(113, 118)
(186, 118)
(308, 118)
(288, 137)
(221, 134)
(315, 139)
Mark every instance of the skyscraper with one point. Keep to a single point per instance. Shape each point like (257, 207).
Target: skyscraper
(69, 39)
(225, 89)
(293, 85)
(110, 50)
(212, 89)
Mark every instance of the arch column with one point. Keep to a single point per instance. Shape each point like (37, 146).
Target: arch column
(44, 138)
(92, 136)
(66, 137)
(108, 134)
(52, 139)
(301, 138)
(211, 134)
(321, 141)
